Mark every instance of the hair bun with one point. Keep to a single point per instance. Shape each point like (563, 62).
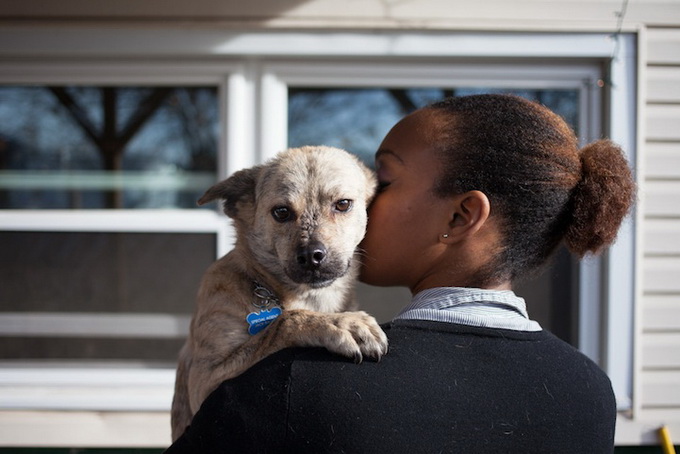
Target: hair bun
(601, 199)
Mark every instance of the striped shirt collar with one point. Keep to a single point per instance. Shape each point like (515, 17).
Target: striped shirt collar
(470, 306)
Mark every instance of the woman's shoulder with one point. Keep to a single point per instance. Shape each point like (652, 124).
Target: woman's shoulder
(432, 374)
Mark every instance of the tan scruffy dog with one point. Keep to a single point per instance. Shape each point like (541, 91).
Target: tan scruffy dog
(299, 219)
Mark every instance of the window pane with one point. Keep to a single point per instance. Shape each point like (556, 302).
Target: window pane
(106, 147)
(62, 274)
(357, 119)
(102, 272)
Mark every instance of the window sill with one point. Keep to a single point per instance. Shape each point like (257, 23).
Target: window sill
(95, 387)
(84, 429)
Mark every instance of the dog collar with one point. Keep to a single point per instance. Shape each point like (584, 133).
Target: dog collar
(264, 298)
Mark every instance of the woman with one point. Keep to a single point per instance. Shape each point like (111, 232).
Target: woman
(475, 193)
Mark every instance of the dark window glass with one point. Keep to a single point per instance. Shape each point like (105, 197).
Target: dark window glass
(106, 147)
(357, 119)
(99, 274)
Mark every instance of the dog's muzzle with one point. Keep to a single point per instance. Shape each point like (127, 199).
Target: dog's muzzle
(314, 266)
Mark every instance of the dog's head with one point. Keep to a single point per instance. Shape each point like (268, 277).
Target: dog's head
(302, 214)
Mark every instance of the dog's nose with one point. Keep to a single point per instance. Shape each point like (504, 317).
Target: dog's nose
(311, 255)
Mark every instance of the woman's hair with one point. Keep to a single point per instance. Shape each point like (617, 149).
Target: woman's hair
(541, 187)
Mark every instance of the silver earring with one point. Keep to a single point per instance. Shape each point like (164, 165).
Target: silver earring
(445, 235)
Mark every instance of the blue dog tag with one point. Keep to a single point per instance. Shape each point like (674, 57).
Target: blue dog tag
(258, 321)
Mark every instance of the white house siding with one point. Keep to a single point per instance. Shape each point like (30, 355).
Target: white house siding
(496, 15)
(660, 339)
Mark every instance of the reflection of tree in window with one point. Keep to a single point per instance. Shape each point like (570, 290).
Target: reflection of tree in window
(169, 130)
(111, 140)
(354, 118)
(358, 118)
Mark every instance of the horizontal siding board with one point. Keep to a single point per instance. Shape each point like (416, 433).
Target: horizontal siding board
(500, 9)
(499, 14)
(663, 46)
(263, 9)
(661, 275)
(667, 416)
(661, 313)
(661, 237)
(660, 389)
(587, 11)
(663, 122)
(662, 198)
(660, 351)
(662, 160)
(663, 84)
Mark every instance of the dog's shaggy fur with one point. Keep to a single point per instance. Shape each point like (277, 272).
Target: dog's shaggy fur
(299, 219)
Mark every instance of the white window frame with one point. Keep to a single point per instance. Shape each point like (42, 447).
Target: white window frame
(254, 70)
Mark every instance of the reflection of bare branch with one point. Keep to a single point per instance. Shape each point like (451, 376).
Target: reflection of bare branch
(405, 103)
(110, 143)
(199, 139)
(77, 112)
(145, 109)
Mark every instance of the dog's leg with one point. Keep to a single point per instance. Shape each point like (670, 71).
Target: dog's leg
(350, 334)
(181, 414)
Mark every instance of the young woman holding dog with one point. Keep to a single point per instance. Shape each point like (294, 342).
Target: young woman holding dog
(475, 193)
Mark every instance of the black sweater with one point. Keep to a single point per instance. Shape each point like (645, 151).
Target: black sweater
(441, 388)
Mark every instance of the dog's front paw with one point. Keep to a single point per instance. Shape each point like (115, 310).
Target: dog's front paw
(356, 335)
(352, 334)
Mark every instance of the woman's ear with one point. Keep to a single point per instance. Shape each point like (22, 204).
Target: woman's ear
(470, 212)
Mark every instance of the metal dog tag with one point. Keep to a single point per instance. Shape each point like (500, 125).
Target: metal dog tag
(257, 321)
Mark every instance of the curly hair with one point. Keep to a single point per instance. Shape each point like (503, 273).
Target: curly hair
(542, 188)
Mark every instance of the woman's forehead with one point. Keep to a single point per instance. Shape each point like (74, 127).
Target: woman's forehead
(418, 131)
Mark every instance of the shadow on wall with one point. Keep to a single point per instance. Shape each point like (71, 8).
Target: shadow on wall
(198, 10)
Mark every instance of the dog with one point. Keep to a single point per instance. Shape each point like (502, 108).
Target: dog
(289, 280)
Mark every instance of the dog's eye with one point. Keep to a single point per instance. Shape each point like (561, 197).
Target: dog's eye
(343, 205)
(282, 214)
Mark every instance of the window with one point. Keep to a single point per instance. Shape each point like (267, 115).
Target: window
(88, 147)
(580, 90)
(69, 343)
(358, 117)
(103, 245)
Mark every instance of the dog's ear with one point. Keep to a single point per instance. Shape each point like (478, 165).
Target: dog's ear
(371, 183)
(237, 189)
